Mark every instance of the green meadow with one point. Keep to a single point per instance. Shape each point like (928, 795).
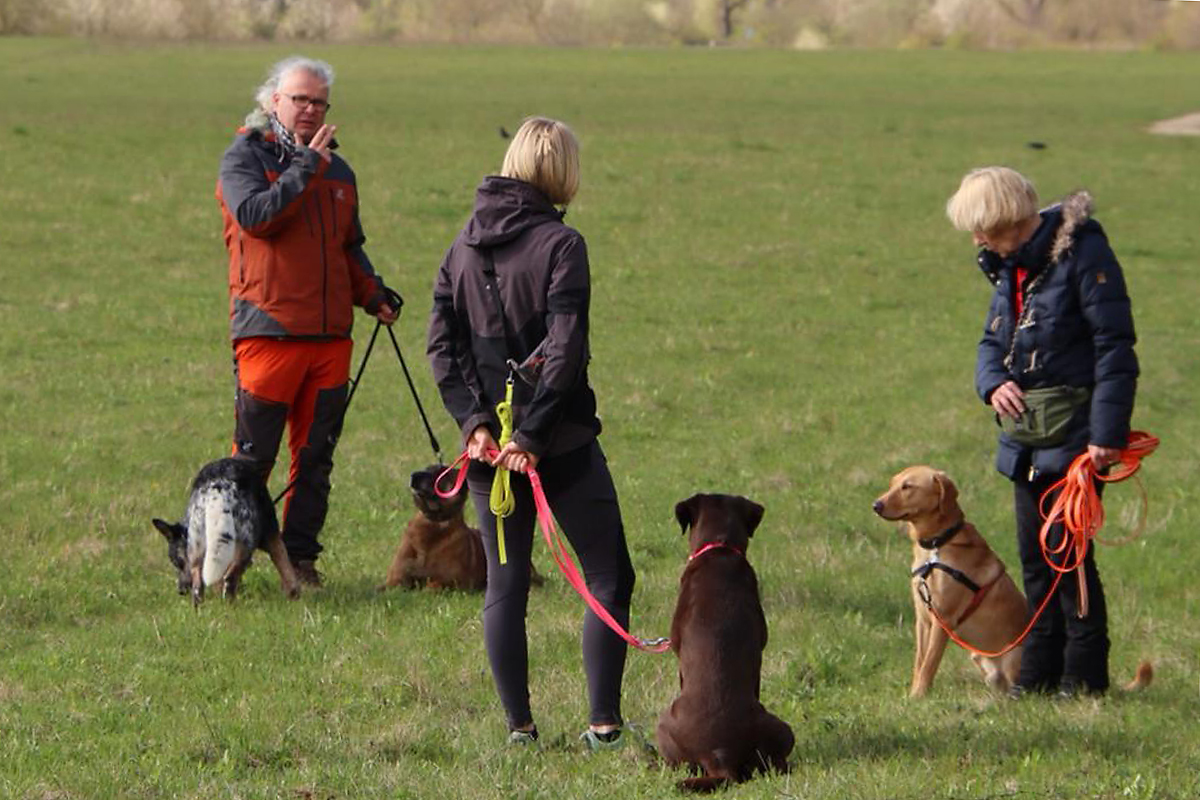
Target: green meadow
(780, 310)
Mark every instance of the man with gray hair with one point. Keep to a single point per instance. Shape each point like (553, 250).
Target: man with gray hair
(296, 271)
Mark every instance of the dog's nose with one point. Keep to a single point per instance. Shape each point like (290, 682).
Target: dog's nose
(878, 506)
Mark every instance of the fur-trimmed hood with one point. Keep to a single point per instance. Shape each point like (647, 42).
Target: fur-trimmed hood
(1076, 209)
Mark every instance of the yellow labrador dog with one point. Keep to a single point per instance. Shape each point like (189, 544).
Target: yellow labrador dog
(955, 573)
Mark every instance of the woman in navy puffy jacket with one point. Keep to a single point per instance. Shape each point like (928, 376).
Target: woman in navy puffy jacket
(1059, 317)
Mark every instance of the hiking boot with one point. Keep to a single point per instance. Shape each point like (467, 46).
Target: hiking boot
(596, 742)
(307, 574)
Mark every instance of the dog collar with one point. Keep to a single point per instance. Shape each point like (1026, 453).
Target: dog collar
(712, 546)
(937, 541)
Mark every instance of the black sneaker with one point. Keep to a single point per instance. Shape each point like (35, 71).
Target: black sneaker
(307, 574)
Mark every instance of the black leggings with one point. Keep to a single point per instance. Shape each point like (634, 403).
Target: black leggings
(1061, 648)
(581, 494)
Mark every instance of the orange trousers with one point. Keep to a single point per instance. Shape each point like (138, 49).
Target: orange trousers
(299, 384)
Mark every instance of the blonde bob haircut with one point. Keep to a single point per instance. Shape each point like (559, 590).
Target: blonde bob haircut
(992, 199)
(544, 152)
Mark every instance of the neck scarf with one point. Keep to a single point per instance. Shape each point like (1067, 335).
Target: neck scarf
(285, 140)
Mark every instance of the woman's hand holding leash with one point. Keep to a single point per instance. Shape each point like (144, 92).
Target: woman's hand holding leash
(481, 445)
(515, 459)
(1103, 457)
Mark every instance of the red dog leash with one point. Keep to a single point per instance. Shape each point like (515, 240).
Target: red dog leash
(558, 552)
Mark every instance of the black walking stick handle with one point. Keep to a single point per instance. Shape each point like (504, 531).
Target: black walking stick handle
(393, 299)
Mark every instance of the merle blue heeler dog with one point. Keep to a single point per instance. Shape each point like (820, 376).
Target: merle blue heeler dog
(228, 516)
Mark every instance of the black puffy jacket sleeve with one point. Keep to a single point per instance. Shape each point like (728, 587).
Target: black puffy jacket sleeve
(1104, 301)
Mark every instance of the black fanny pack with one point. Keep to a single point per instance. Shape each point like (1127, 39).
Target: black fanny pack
(1046, 420)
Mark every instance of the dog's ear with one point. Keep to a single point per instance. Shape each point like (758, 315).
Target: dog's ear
(168, 530)
(752, 514)
(947, 491)
(686, 512)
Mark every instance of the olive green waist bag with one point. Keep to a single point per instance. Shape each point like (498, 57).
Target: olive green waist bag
(1047, 417)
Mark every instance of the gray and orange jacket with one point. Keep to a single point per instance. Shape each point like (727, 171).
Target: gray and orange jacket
(296, 263)
(515, 281)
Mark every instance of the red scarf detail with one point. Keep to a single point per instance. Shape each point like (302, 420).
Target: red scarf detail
(1019, 296)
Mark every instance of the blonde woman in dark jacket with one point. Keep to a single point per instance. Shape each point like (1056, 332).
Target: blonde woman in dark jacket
(514, 288)
(1058, 334)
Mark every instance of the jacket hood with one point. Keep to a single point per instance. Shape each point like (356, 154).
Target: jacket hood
(1052, 239)
(1075, 211)
(257, 120)
(505, 208)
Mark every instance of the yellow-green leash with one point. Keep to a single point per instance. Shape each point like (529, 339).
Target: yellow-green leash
(502, 501)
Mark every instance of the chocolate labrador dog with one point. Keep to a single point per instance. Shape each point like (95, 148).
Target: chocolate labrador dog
(717, 725)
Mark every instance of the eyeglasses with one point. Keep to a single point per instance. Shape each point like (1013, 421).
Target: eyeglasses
(304, 101)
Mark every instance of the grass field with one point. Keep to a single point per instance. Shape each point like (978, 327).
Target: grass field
(780, 310)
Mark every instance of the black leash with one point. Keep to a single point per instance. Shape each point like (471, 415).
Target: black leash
(395, 301)
(433, 442)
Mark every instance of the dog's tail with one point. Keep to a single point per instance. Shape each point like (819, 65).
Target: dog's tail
(219, 551)
(1142, 679)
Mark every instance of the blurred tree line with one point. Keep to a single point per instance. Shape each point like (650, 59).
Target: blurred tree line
(806, 24)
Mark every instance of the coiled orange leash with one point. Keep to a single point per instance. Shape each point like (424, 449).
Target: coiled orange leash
(1079, 507)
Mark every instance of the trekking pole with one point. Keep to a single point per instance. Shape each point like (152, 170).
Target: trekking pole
(397, 301)
(433, 442)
